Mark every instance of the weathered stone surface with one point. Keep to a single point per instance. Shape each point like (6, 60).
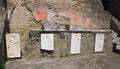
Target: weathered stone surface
(62, 45)
(81, 18)
(115, 25)
(96, 61)
(87, 43)
(108, 44)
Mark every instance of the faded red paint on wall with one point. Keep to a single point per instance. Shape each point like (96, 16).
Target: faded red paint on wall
(89, 24)
(40, 14)
(75, 18)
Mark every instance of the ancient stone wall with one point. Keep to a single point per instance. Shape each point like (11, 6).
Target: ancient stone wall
(51, 15)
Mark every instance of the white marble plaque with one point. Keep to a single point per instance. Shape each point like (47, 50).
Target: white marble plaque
(118, 46)
(13, 45)
(47, 41)
(99, 42)
(75, 43)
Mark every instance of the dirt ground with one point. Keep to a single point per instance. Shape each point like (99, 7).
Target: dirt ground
(92, 61)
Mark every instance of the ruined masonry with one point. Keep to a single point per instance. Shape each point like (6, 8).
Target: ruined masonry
(31, 19)
(2, 31)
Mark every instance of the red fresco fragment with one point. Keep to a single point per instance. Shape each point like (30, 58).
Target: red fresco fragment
(76, 19)
(88, 24)
(40, 14)
(74, 16)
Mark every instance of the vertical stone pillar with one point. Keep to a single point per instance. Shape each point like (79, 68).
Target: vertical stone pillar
(2, 19)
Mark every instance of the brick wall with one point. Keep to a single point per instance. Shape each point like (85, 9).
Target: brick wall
(26, 14)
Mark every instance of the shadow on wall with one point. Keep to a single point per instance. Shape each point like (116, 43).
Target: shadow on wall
(2, 52)
(115, 26)
(3, 6)
(115, 50)
(3, 3)
(113, 6)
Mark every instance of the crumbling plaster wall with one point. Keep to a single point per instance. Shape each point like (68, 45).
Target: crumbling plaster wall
(22, 16)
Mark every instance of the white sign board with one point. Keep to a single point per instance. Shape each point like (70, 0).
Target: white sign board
(13, 45)
(99, 42)
(47, 41)
(75, 43)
